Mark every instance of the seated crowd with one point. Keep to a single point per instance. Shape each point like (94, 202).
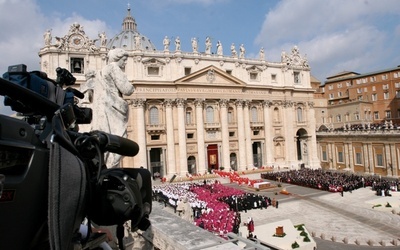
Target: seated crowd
(215, 207)
(332, 181)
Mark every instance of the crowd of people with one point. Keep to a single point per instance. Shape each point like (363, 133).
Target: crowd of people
(213, 206)
(217, 208)
(333, 181)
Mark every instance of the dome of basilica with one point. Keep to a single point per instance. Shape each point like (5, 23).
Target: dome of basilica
(129, 38)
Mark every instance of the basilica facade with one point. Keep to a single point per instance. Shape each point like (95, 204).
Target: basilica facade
(203, 109)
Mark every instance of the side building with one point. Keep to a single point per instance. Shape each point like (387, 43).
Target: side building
(195, 111)
(359, 129)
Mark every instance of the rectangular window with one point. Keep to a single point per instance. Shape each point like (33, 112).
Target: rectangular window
(229, 71)
(358, 158)
(397, 85)
(253, 76)
(338, 118)
(324, 157)
(379, 160)
(386, 95)
(340, 157)
(339, 94)
(187, 71)
(330, 87)
(373, 88)
(155, 137)
(153, 71)
(374, 97)
(388, 114)
(384, 77)
(348, 84)
(273, 77)
(256, 132)
(356, 116)
(397, 94)
(359, 91)
(190, 135)
(331, 96)
(376, 115)
(385, 86)
(231, 133)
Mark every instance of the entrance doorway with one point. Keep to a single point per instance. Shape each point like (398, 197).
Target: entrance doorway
(233, 161)
(156, 163)
(191, 164)
(212, 156)
(302, 146)
(257, 154)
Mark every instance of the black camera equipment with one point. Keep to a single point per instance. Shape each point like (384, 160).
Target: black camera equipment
(52, 177)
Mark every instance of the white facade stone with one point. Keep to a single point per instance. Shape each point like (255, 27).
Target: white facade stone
(193, 111)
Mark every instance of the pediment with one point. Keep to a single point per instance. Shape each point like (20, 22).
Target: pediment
(210, 76)
(153, 61)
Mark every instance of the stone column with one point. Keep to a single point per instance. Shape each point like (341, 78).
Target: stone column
(351, 156)
(171, 165)
(141, 157)
(247, 132)
(388, 160)
(394, 159)
(269, 140)
(346, 155)
(201, 155)
(371, 157)
(333, 154)
(367, 164)
(241, 136)
(183, 169)
(288, 115)
(312, 145)
(225, 134)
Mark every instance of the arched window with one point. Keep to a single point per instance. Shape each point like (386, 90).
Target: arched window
(209, 114)
(231, 118)
(254, 117)
(153, 116)
(189, 116)
(276, 115)
(299, 114)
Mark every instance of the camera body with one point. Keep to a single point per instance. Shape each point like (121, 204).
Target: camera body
(110, 196)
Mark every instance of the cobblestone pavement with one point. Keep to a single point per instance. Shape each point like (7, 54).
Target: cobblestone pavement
(347, 220)
(335, 222)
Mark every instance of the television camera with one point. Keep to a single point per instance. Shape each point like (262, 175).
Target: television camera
(52, 177)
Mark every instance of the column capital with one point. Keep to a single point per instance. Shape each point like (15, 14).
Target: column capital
(311, 105)
(140, 102)
(224, 103)
(267, 103)
(287, 104)
(168, 103)
(180, 102)
(199, 102)
(239, 103)
(246, 103)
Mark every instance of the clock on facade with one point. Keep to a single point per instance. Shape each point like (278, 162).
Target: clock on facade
(76, 41)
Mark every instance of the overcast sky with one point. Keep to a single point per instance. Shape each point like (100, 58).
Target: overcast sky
(335, 35)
